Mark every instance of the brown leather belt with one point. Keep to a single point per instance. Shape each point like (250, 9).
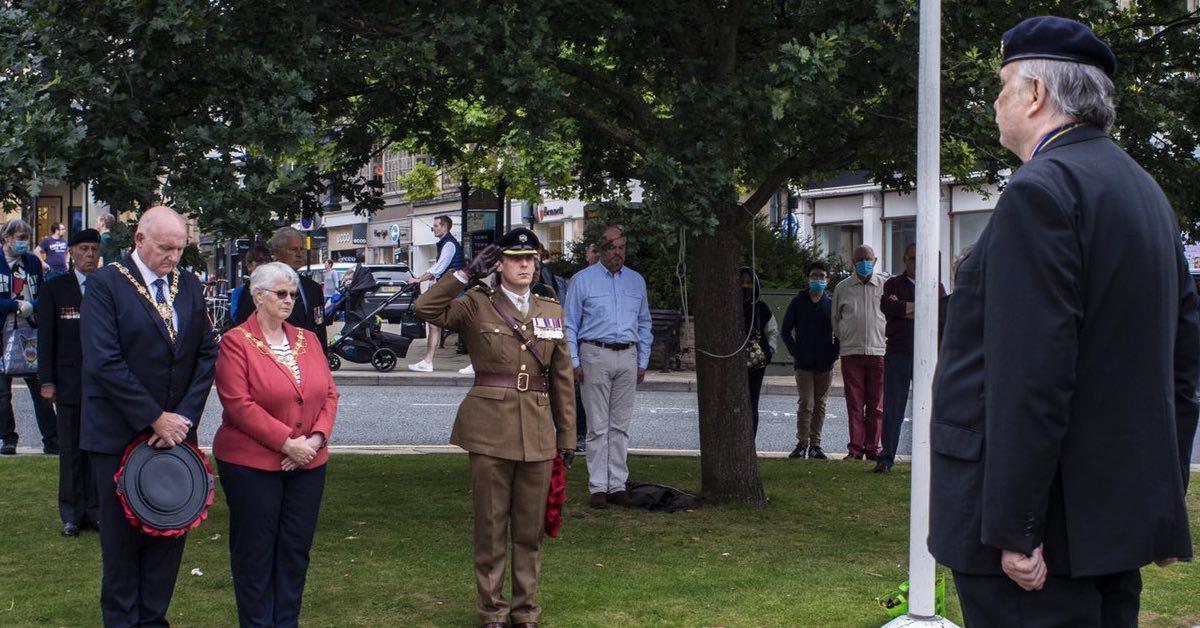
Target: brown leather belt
(615, 346)
(520, 381)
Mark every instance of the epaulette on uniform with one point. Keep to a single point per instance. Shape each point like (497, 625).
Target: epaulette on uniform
(542, 298)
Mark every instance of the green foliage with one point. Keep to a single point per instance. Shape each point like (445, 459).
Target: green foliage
(780, 261)
(422, 182)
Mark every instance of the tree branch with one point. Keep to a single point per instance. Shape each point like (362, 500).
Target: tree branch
(644, 117)
(787, 169)
(604, 125)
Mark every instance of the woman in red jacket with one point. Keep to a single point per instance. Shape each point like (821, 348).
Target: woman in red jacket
(279, 406)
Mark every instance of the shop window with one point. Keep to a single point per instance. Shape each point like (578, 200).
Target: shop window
(554, 239)
(839, 240)
(898, 234)
(967, 229)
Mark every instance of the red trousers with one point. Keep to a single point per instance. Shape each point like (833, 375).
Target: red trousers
(862, 377)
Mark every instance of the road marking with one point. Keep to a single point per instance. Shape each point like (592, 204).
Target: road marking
(436, 405)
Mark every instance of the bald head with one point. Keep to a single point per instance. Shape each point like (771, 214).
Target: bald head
(864, 262)
(160, 238)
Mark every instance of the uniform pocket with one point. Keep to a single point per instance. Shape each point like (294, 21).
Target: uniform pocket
(487, 392)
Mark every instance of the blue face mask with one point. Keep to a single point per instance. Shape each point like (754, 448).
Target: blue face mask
(20, 247)
(864, 268)
(817, 285)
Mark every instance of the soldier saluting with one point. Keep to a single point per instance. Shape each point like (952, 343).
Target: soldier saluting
(517, 416)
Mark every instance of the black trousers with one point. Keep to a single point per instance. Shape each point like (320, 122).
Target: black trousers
(139, 570)
(77, 501)
(41, 409)
(272, 519)
(580, 416)
(756, 380)
(897, 378)
(1106, 601)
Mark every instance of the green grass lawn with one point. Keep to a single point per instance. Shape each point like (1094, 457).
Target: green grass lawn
(394, 548)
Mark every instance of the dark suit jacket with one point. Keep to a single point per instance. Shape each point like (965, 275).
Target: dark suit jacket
(310, 317)
(132, 373)
(1065, 401)
(60, 355)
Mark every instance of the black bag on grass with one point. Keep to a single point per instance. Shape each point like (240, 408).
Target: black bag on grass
(661, 497)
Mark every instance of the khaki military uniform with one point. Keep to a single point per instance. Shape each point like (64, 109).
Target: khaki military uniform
(512, 435)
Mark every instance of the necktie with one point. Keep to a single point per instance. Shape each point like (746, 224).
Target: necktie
(521, 305)
(159, 296)
(82, 290)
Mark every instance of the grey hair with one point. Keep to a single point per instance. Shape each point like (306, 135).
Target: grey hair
(267, 275)
(14, 226)
(280, 238)
(1081, 92)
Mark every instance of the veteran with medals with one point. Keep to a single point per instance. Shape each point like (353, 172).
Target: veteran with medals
(517, 416)
(148, 366)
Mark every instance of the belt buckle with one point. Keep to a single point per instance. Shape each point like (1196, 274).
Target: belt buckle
(522, 382)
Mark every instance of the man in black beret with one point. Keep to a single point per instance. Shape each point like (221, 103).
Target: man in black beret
(60, 363)
(1064, 411)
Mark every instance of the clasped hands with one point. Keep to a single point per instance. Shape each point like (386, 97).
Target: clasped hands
(300, 451)
(1029, 572)
(169, 429)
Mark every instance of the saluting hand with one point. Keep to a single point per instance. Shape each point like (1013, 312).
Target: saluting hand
(1029, 572)
(484, 263)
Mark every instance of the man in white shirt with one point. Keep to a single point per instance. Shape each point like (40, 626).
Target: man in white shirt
(450, 259)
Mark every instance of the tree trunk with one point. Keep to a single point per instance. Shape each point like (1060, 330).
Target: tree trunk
(728, 460)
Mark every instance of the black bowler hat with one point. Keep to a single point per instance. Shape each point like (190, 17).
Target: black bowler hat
(519, 241)
(87, 235)
(1057, 39)
(165, 492)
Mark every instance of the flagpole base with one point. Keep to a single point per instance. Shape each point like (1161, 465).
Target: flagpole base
(905, 621)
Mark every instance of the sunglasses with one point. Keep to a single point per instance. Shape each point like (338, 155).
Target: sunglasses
(283, 294)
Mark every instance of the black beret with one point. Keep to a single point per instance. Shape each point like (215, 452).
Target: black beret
(87, 235)
(1058, 39)
(519, 241)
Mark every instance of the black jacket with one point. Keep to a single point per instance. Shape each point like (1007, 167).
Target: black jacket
(310, 315)
(132, 372)
(60, 355)
(1065, 407)
(808, 333)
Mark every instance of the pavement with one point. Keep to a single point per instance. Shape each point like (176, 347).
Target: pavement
(446, 364)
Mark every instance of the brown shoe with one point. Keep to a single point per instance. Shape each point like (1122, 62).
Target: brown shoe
(620, 498)
(599, 500)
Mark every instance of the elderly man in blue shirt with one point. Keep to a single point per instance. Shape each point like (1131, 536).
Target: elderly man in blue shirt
(608, 330)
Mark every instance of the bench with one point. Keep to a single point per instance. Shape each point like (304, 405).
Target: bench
(667, 325)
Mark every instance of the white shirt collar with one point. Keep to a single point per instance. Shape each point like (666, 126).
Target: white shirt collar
(512, 296)
(148, 275)
(80, 277)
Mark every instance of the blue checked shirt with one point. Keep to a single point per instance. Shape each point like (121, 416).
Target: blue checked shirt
(608, 307)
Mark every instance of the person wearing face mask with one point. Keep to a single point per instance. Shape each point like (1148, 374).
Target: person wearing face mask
(808, 333)
(759, 323)
(20, 283)
(859, 326)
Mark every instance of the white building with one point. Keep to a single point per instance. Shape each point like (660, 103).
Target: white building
(849, 211)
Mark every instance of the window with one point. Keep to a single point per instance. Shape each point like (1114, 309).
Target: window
(967, 229)
(554, 239)
(898, 234)
(395, 165)
(839, 240)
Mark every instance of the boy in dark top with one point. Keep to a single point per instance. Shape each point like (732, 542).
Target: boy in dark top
(808, 333)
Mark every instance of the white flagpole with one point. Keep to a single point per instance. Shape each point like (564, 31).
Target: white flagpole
(921, 566)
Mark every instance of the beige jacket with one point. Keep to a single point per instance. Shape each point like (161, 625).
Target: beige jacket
(502, 422)
(858, 322)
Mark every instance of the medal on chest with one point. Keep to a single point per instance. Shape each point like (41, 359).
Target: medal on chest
(548, 328)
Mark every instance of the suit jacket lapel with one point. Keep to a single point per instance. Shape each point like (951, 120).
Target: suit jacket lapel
(155, 319)
(181, 313)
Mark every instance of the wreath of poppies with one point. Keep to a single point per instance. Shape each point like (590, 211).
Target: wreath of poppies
(556, 497)
(133, 518)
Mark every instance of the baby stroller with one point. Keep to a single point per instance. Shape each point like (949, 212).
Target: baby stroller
(362, 341)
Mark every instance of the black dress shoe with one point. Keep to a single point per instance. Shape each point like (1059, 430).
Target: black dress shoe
(881, 467)
(8, 449)
(70, 529)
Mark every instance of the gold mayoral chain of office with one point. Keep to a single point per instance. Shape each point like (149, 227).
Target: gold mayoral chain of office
(165, 310)
(295, 351)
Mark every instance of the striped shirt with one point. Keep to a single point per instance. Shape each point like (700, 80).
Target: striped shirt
(284, 354)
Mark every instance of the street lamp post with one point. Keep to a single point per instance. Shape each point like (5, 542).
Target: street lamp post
(465, 188)
(501, 213)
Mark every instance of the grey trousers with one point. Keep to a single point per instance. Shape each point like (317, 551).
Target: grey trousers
(609, 384)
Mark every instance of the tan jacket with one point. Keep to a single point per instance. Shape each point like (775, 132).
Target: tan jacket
(858, 322)
(503, 422)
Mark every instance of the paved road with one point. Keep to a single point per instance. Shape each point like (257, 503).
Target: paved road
(413, 415)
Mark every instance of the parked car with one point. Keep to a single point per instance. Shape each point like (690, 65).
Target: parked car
(392, 278)
(316, 272)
